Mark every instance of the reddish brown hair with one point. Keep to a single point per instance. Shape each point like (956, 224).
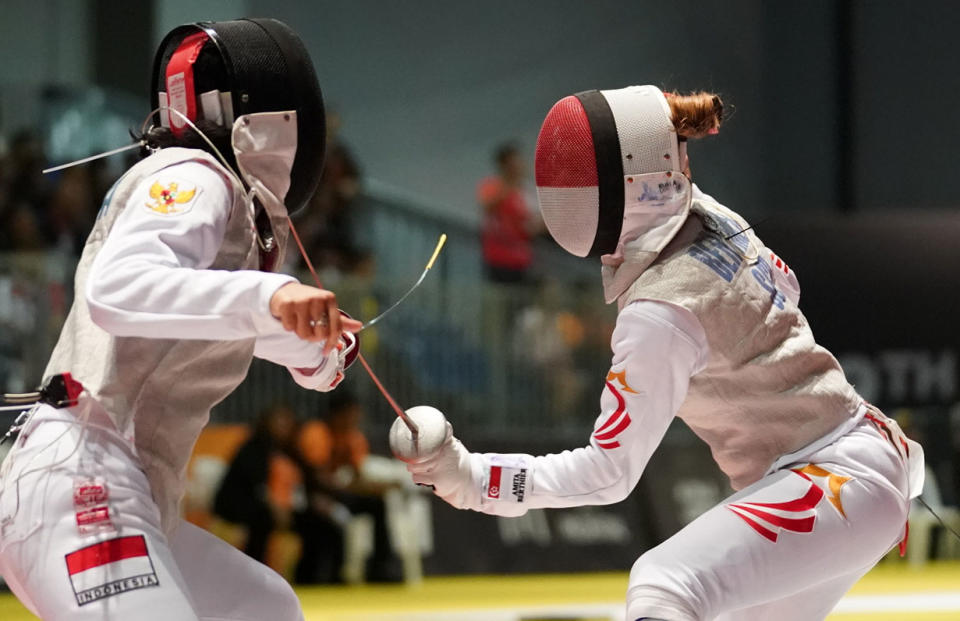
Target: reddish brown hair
(695, 115)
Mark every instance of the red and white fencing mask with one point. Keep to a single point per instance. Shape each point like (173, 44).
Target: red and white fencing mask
(608, 172)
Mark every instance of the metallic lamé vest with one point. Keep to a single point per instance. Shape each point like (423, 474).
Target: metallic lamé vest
(768, 389)
(158, 392)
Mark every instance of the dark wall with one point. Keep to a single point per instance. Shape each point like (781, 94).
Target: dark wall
(122, 45)
(427, 90)
(801, 121)
(880, 291)
(908, 86)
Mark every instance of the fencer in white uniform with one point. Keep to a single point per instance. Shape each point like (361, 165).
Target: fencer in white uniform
(175, 295)
(709, 330)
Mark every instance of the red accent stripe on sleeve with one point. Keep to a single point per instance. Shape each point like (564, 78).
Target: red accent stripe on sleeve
(106, 552)
(611, 428)
(621, 406)
(612, 433)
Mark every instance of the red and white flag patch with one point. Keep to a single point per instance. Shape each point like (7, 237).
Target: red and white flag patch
(496, 478)
(110, 568)
(508, 479)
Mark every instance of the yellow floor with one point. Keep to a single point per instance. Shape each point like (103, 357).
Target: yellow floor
(593, 597)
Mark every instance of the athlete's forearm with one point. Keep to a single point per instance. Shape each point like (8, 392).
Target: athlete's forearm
(512, 484)
(656, 349)
(136, 299)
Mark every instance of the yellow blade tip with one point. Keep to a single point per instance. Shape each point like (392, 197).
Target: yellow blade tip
(436, 251)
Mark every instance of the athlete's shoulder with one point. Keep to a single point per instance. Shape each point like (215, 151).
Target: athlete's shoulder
(649, 312)
(173, 180)
(644, 322)
(189, 162)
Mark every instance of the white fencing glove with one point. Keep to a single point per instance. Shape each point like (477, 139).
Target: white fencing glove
(491, 483)
(455, 473)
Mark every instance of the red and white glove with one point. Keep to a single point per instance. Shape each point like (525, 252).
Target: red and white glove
(331, 371)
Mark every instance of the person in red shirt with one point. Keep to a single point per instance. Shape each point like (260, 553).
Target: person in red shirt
(507, 225)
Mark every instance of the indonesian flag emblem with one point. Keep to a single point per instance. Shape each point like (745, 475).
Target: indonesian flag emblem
(110, 568)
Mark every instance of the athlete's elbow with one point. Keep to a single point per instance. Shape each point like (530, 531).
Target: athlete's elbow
(104, 317)
(103, 312)
(608, 492)
(617, 492)
(617, 479)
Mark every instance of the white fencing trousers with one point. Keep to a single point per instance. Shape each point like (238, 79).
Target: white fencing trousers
(80, 538)
(787, 547)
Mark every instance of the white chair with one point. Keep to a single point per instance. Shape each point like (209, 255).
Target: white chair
(409, 522)
(357, 548)
(923, 524)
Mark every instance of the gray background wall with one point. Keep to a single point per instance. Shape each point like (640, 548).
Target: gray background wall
(427, 89)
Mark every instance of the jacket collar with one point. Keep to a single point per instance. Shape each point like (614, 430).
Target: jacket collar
(265, 145)
(657, 207)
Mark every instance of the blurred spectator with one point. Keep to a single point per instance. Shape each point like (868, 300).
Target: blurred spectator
(27, 183)
(21, 231)
(262, 487)
(507, 225)
(505, 238)
(73, 207)
(5, 173)
(24, 194)
(269, 488)
(335, 450)
(326, 225)
(336, 447)
(39, 212)
(548, 334)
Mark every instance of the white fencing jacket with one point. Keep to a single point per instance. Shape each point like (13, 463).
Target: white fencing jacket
(711, 333)
(170, 305)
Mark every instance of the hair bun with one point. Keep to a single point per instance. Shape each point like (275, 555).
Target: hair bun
(695, 115)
